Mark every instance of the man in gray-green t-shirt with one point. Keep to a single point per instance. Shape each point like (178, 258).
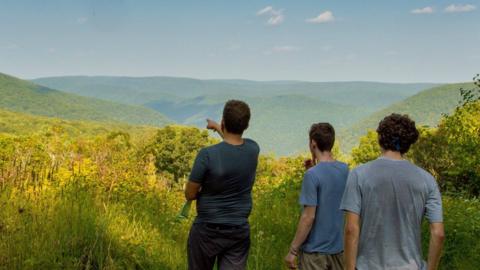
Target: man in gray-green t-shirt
(385, 201)
(221, 181)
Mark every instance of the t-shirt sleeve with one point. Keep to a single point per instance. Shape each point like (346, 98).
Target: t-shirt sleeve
(309, 193)
(433, 208)
(200, 167)
(352, 196)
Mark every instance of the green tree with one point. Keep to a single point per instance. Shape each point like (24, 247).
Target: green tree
(175, 148)
(367, 150)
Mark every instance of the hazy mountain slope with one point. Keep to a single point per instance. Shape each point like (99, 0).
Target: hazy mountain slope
(23, 96)
(281, 123)
(149, 89)
(26, 124)
(426, 108)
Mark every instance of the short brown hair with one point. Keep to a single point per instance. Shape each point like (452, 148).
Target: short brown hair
(236, 115)
(324, 135)
(397, 133)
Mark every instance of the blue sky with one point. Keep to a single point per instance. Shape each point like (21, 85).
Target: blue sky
(392, 41)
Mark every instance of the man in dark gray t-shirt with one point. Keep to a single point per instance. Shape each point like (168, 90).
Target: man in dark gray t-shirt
(385, 201)
(221, 181)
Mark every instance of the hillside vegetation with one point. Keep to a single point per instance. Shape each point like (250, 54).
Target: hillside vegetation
(22, 124)
(426, 108)
(23, 96)
(109, 201)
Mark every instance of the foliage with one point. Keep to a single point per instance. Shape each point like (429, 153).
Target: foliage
(175, 148)
(103, 207)
(367, 150)
(426, 108)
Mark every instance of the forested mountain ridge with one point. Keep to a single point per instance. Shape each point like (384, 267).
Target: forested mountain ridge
(282, 111)
(426, 108)
(24, 96)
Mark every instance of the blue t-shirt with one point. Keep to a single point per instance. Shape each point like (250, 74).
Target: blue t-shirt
(323, 186)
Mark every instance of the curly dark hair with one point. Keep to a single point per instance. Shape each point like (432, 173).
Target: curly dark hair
(324, 135)
(236, 115)
(397, 132)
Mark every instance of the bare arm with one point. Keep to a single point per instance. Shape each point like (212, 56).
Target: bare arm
(303, 229)
(304, 226)
(191, 190)
(215, 127)
(352, 234)
(437, 235)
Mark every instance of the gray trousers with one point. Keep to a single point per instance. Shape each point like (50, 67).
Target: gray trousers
(227, 246)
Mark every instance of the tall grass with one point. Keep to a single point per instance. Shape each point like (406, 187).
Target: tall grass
(76, 224)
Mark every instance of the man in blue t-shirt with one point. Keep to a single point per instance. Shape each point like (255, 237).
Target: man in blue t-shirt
(319, 238)
(221, 181)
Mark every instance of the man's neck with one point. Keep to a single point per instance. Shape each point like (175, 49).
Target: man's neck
(233, 139)
(392, 155)
(324, 156)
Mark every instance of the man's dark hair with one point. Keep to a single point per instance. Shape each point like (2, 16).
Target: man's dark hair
(236, 115)
(397, 133)
(324, 135)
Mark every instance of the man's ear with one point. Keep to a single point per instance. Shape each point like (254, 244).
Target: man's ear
(313, 145)
(222, 125)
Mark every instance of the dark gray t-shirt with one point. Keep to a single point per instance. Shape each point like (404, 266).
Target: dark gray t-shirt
(391, 197)
(323, 187)
(226, 173)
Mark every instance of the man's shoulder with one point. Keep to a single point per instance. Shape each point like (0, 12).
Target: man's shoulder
(207, 149)
(252, 143)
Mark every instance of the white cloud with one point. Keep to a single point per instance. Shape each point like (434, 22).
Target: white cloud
(82, 20)
(460, 8)
(276, 16)
(265, 10)
(323, 17)
(425, 10)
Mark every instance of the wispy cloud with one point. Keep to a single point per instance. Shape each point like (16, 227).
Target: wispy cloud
(460, 8)
(425, 10)
(275, 16)
(265, 10)
(282, 49)
(323, 17)
(82, 20)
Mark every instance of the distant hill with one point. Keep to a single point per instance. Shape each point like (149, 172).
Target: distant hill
(426, 108)
(142, 90)
(24, 96)
(282, 110)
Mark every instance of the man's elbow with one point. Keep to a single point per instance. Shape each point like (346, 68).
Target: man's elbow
(438, 233)
(308, 219)
(352, 230)
(190, 196)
